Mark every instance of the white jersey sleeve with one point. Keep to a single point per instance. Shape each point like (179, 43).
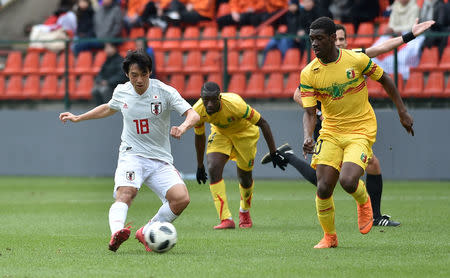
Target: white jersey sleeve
(146, 118)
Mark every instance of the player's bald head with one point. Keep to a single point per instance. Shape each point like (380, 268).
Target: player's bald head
(210, 89)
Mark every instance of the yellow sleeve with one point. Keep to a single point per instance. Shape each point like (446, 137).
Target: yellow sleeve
(199, 128)
(307, 90)
(245, 111)
(369, 68)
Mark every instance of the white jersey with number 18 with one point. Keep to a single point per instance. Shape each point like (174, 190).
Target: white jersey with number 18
(146, 118)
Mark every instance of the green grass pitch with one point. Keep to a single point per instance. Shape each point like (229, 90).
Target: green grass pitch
(58, 227)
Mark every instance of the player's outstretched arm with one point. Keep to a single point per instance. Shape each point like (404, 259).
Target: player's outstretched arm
(309, 122)
(405, 119)
(277, 159)
(417, 29)
(298, 97)
(200, 142)
(98, 112)
(192, 118)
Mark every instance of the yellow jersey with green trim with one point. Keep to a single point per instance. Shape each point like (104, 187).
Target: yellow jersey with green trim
(341, 88)
(234, 115)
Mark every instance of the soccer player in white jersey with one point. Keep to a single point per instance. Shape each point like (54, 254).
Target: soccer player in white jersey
(144, 155)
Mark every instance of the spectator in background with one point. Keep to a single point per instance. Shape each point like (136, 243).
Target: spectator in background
(308, 13)
(243, 12)
(110, 75)
(141, 43)
(85, 22)
(107, 25)
(191, 11)
(340, 9)
(362, 11)
(134, 10)
(403, 16)
(274, 6)
(153, 14)
(435, 10)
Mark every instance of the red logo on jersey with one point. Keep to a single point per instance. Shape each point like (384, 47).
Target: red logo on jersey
(125, 106)
(156, 108)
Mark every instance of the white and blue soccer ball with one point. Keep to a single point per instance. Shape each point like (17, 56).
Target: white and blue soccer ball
(161, 236)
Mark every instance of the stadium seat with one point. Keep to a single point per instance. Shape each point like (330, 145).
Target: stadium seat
(247, 43)
(291, 85)
(233, 61)
(282, 28)
(193, 62)
(445, 60)
(224, 9)
(414, 86)
(13, 63)
(264, 36)
(61, 67)
(154, 36)
(237, 84)
(99, 60)
(446, 91)
(190, 38)
(363, 40)
(31, 87)
(14, 88)
(125, 46)
(31, 63)
(62, 87)
(177, 81)
(84, 87)
(435, 85)
(350, 34)
(291, 61)
(83, 64)
(230, 33)
(2, 87)
(212, 62)
(137, 32)
(272, 62)
(304, 61)
(429, 59)
(400, 85)
(274, 87)
(49, 88)
(174, 62)
(216, 77)
(255, 86)
(159, 63)
(374, 88)
(48, 63)
(209, 44)
(172, 39)
(193, 86)
(249, 61)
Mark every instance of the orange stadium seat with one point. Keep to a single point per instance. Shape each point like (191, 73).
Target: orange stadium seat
(375, 88)
(13, 63)
(429, 59)
(14, 87)
(49, 87)
(304, 61)
(177, 81)
(31, 63)
(249, 61)
(233, 61)
(365, 29)
(84, 87)
(237, 84)
(382, 29)
(216, 77)
(193, 62)
(154, 36)
(445, 60)
(62, 87)
(190, 38)
(193, 86)
(209, 44)
(224, 9)
(291, 61)
(99, 60)
(255, 86)
(31, 87)
(137, 32)
(350, 34)
(414, 86)
(248, 43)
(274, 86)
(400, 85)
(2, 87)
(48, 63)
(265, 33)
(172, 39)
(125, 46)
(212, 62)
(228, 32)
(272, 62)
(61, 67)
(174, 62)
(83, 64)
(291, 85)
(435, 85)
(159, 63)
(282, 28)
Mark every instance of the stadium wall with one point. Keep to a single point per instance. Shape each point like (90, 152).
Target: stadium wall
(36, 143)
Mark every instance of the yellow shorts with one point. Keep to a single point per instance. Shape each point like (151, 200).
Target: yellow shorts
(240, 147)
(333, 150)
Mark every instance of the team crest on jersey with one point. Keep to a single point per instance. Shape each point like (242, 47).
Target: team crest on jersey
(230, 119)
(350, 73)
(364, 158)
(156, 108)
(130, 175)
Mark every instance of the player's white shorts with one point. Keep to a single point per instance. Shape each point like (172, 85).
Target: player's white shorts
(133, 170)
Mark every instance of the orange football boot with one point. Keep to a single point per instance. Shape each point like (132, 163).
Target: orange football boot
(225, 224)
(328, 241)
(365, 216)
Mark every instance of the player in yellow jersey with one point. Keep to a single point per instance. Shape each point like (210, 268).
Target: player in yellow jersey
(234, 134)
(344, 147)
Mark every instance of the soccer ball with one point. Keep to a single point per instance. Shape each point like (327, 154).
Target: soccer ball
(161, 236)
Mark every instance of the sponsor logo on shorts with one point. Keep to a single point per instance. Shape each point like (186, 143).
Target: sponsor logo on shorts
(364, 157)
(130, 175)
(156, 108)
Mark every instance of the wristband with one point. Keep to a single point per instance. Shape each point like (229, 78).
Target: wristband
(408, 37)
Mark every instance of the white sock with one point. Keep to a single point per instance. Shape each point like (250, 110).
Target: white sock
(117, 216)
(243, 210)
(165, 214)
